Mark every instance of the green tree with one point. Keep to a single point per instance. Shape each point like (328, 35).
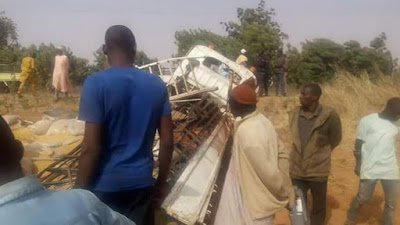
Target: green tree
(9, 49)
(356, 59)
(257, 31)
(295, 65)
(319, 60)
(44, 61)
(79, 67)
(186, 39)
(381, 56)
(100, 59)
(8, 31)
(142, 59)
(379, 42)
(373, 60)
(10, 55)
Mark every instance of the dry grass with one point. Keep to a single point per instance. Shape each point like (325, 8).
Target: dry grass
(352, 98)
(32, 107)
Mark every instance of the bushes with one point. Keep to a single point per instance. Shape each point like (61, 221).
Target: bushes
(320, 58)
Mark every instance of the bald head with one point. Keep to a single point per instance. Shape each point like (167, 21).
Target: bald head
(314, 89)
(119, 40)
(393, 108)
(309, 95)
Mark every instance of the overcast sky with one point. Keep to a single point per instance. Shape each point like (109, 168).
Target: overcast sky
(81, 24)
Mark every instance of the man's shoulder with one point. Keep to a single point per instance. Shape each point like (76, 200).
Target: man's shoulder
(154, 78)
(73, 193)
(329, 111)
(103, 76)
(294, 111)
(250, 126)
(151, 82)
(80, 192)
(368, 118)
(327, 108)
(96, 76)
(84, 198)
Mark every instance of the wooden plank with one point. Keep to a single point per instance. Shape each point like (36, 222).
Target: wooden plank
(57, 182)
(192, 93)
(62, 169)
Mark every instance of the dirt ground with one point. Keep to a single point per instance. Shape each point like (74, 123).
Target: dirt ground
(31, 108)
(343, 183)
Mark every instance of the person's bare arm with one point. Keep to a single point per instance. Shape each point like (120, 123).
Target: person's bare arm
(357, 155)
(165, 131)
(90, 155)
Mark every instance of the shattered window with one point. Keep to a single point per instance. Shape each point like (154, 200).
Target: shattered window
(216, 66)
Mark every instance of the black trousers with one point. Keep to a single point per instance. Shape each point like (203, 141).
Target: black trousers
(134, 204)
(262, 84)
(318, 193)
(266, 84)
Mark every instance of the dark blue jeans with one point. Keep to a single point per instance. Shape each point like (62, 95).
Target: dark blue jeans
(365, 191)
(280, 84)
(134, 204)
(261, 81)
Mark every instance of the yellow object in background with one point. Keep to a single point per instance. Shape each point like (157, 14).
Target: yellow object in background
(27, 74)
(28, 65)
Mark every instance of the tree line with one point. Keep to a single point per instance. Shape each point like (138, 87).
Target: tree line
(317, 61)
(255, 29)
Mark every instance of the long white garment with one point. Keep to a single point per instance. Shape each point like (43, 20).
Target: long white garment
(232, 210)
(378, 154)
(61, 80)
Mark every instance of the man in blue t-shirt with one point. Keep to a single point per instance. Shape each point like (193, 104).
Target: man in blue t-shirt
(123, 107)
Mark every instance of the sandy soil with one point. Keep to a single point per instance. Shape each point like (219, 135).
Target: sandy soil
(343, 183)
(31, 109)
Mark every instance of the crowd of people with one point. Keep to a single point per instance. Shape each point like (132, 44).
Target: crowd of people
(124, 107)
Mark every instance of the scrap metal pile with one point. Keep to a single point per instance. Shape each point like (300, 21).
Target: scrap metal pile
(195, 115)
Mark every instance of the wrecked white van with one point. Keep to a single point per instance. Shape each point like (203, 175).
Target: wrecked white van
(204, 68)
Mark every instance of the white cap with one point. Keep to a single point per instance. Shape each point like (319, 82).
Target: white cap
(243, 51)
(60, 48)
